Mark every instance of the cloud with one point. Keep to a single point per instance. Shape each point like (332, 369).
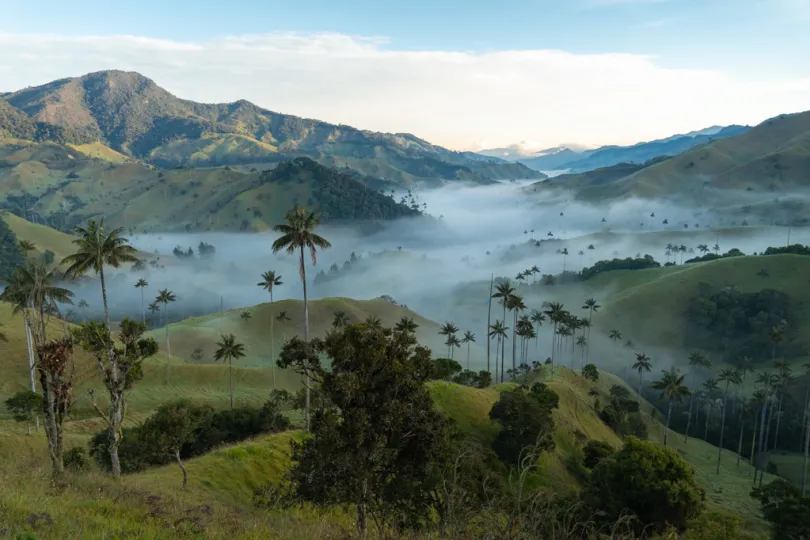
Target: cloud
(451, 98)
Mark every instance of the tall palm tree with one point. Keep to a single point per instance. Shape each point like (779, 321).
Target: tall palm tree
(696, 359)
(245, 315)
(643, 363)
(269, 282)
(96, 248)
(468, 338)
(154, 307)
(26, 246)
(671, 385)
(499, 332)
(554, 312)
(373, 322)
(454, 343)
(710, 386)
(728, 376)
(537, 318)
(229, 350)
(582, 343)
(82, 305)
(299, 234)
(448, 330)
(407, 325)
(805, 432)
(141, 284)
(592, 307)
(165, 297)
(489, 321)
(767, 381)
(504, 291)
(515, 305)
(340, 319)
(534, 270)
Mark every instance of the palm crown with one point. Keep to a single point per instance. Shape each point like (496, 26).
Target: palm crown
(298, 233)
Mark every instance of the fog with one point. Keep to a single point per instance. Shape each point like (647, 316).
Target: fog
(438, 265)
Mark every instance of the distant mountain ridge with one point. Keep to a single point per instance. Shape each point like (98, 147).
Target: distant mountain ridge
(134, 116)
(580, 160)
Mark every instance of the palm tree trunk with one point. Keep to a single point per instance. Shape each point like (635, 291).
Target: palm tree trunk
(722, 427)
(29, 342)
(708, 415)
(104, 294)
(230, 378)
(640, 381)
(804, 415)
(503, 353)
(751, 464)
(489, 320)
(806, 450)
(688, 420)
(272, 343)
(669, 414)
(778, 421)
(761, 436)
(182, 467)
(468, 356)
(514, 340)
(739, 443)
(143, 310)
(306, 336)
(497, 348)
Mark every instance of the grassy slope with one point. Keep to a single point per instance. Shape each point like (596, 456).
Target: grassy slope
(43, 237)
(99, 151)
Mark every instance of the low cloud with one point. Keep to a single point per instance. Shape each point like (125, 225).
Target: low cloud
(451, 98)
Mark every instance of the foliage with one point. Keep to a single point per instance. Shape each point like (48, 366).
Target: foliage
(526, 422)
(651, 481)
(481, 379)
(10, 255)
(737, 323)
(142, 447)
(595, 451)
(785, 508)
(795, 249)
(76, 459)
(622, 414)
(23, 406)
(381, 446)
(715, 526)
(591, 372)
(444, 369)
(628, 263)
(714, 256)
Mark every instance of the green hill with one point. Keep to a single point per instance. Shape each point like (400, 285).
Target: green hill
(131, 114)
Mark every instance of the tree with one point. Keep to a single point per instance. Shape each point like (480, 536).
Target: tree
(537, 318)
(340, 319)
(516, 305)
(141, 284)
(595, 451)
(710, 386)
(642, 364)
(448, 330)
(269, 282)
(592, 307)
(696, 359)
(526, 422)
(245, 316)
(26, 246)
(56, 370)
(504, 291)
(555, 313)
(171, 427)
(671, 385)
(95, 248)
(121, 365)
(591, 372)
(229, 350)
(499, 332)
(298, 234)
(83, 305)
(406, 324)
(468, 338)
(785, 508)
(651, 481)
(728, 376)
(381, 444)
(154, 307)
(23, 407)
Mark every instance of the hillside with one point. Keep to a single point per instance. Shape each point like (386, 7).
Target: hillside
(43, 237)
(204, 332)
(771, 158)
(63, 187)
(134, 116)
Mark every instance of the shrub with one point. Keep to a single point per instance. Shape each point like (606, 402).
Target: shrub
(526, 421)
(785, 508)
(76, 459)
(651, 481)
(594, 452)
(591, 372)
(714, 526)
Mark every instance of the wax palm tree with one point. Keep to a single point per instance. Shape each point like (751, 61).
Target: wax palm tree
(592, 307)
(340, 319)
(141, 284)
(245, 315)
(407, 325)
(768, 381)
(96, 248)
(554, 312)
(499, 332)
(515, 305)
(468, 338)
(805, 432)
(153, 308)
(298, 234)
(671, 385)
(728, 376)
(698, 360)
(165, 297)
(26, 246)
(229, 350)
(453, 343)
(537, 318)
(448, 329)
(269, 282)
(504, 291)
(615, 335)
(83, 305)
(373, 322)
(710, 386)
(534, 270)
(643, 363)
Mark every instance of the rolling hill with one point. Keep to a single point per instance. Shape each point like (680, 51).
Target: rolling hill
(135, 117)
(62, 186)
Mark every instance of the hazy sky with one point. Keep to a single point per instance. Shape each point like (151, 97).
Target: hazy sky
(464, 74)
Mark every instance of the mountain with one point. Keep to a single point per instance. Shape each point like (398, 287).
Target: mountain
(134, 116)
(772, 157)
(605, 156)
(60, 186)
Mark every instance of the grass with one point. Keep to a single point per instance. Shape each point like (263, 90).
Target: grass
(44, 238)
(99, 151)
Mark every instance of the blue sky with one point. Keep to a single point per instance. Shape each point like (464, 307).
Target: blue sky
(753, 40)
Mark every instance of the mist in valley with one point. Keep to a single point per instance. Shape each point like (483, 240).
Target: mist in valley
(439, 265)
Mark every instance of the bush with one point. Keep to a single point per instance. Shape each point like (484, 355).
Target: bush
(714, 526)
(76, 459)
(785, 508)
(594, 452)
(526, 421)
(445, 369)
(651, 481)
(591, 372)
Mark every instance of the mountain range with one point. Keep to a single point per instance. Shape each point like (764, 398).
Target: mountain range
(577, 159)
(132, 115)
